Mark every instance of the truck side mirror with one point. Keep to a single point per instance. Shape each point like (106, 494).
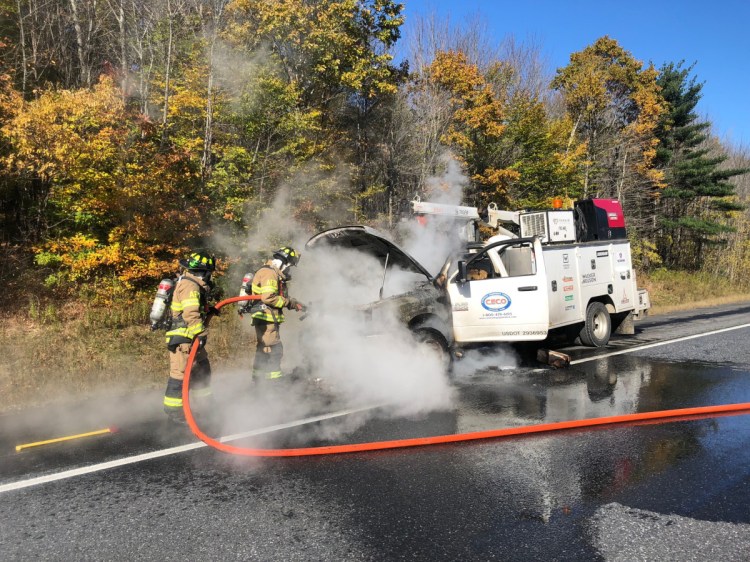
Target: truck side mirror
(462, 276)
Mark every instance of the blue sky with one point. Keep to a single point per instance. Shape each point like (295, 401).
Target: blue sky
(713, 34)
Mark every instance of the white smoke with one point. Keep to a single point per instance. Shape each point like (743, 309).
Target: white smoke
(497, 357)
(433, 239)
(363, 367)
(333, 347)
(386, 366)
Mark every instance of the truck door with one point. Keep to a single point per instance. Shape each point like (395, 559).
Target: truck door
(500, 293)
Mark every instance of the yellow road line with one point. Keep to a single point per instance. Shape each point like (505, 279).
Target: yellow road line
(59, 439)
(171, 451)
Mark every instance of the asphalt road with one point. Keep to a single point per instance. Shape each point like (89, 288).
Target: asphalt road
(649, 491)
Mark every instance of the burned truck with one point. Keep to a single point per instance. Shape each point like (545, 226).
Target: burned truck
(569, 272)
(422, 307)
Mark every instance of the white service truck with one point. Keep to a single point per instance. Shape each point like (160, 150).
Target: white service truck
(564, 270)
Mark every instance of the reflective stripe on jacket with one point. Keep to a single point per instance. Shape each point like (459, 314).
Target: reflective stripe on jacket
(188, 308)
(268, 282)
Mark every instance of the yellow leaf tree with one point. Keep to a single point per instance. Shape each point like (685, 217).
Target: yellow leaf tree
(614, 104)
(475, 125)
(320, 68)
(117, 208)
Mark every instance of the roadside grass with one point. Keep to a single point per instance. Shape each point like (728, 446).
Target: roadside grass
(672, 291)
(51, 353)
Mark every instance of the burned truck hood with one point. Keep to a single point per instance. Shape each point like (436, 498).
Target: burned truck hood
(370, 241)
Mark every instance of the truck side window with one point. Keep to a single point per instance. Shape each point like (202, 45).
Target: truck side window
(514, 260)
(481, 269)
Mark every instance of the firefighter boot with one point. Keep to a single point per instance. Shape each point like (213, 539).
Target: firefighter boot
(273, 367)
(173, 401)
(200, 385)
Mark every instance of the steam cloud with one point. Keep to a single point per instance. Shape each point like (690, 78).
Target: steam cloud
(332, 345)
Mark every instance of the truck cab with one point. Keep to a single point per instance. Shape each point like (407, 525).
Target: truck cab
(499, 293)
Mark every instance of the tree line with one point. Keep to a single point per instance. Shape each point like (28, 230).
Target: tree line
(132, 130)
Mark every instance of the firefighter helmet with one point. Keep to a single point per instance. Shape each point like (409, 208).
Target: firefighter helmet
(199, 261)
(287, 255)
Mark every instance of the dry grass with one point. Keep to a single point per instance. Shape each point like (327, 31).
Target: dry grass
(672, 291)
(102, 351)
(51, 353)
(718, 301)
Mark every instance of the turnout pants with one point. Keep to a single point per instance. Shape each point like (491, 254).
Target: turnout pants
(200, 376)
(268, 350)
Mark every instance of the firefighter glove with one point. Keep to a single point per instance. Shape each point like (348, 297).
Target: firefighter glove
(202, 341)
(213, 311)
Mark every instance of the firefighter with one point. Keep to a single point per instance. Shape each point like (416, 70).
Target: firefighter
(269, 282)
(190, 313)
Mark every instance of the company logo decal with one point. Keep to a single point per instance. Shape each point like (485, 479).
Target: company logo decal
(495, 302)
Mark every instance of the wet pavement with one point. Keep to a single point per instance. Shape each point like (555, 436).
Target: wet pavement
(644, 491)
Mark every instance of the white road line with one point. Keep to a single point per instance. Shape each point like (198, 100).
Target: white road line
(189, 447)
(657, 344)
(173, 450)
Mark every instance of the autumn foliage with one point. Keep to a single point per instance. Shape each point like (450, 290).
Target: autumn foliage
(119, 156)
(112, 201)
(616, 105)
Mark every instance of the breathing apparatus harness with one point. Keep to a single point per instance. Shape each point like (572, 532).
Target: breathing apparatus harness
(161, 309)
(253, 306)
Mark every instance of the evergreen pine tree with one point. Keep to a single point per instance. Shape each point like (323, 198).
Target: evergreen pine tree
(695, 205)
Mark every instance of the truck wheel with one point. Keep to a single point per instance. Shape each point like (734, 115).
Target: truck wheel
(598, 325)
(433, 342)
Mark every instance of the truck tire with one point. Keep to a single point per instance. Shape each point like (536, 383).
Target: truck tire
(598, 326)
(434, 342)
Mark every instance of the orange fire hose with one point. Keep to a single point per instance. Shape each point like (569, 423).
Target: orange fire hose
(660, 416)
